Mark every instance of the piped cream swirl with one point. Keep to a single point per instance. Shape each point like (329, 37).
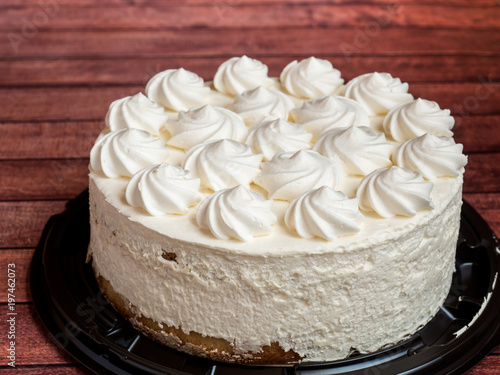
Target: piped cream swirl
(239, 74)
(137, 112)
(222, 164)
(261, 103)
(328, 112)
(205, 123)
(431, 156)
(126, 151)
(177, 89)
(377, 92)
(357, 149)
(271, 137)
(163, 188)
(323, 213)
(290, 174)
(310, 78)
(236, 213)
(416, 118)
(394, 191)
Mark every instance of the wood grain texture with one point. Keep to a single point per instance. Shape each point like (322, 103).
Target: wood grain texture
(44, 140)
(250, 15)
(33, 342)
(482, 173)
(488, 206)
(43, 179)
(489, 366)
(22, 260)
(138, 71)
(229, 3)
(22, 222)
(88, 103)
(67, 369)
(77, 103)
(344, 42)
(478, 133)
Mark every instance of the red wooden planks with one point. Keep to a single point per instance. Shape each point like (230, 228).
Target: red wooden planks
(44, 140)
(138, 71)
(249, 15)
(33, 342)
(22, 260)
(43, 179)
(22, 222)
(345, 42)
(231, 3)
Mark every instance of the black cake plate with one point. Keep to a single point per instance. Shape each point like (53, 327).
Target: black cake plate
(82, 322)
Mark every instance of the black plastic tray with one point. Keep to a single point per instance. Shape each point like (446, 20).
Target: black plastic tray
(81, 321)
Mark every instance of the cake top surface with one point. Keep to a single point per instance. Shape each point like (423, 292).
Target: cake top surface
(254, 163)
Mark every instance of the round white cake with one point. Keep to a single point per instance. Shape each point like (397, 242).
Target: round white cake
(254, 219)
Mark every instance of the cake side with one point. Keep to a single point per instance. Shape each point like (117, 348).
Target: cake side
(319, 306)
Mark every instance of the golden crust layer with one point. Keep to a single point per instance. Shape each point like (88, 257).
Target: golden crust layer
(193, 343)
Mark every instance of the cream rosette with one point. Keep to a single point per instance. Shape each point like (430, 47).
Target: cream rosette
(236, 213)
(324, 213)
(163, 188)
(394, 191)
(310, 78)
(289, 174)
(431, 156)
(177, 89)
(239, 74)
(222, 164)
(126, 151)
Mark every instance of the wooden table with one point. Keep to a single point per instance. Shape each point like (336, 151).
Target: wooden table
(63, 62)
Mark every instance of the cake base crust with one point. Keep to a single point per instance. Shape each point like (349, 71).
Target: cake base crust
(193, 343)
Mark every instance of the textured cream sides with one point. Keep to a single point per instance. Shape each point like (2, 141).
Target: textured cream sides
(321, 299)
(316, 297)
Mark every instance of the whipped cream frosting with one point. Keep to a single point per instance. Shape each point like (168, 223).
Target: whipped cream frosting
(328, 112)
(222, 164)
(394, 191)
(177, 89)
(137, 112)
(310, 78)
(126, 151)
(163, 188)
(431, 156)
(273, 136)
(377, 92)
(261, 103)
(416, 118)
(289, 174)
(325, 287)
(236, 213)
(324, 213)
(357, 149)
(239, 74)
(205, 123)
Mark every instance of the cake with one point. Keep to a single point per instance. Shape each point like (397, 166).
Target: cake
(257, 219)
